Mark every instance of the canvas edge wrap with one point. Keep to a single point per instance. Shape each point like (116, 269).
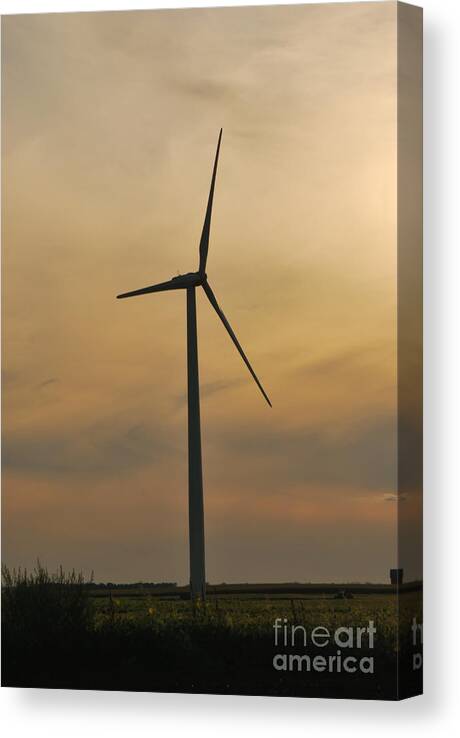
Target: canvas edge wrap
(409, 678)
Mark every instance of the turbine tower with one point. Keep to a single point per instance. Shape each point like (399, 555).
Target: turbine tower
(190, 282)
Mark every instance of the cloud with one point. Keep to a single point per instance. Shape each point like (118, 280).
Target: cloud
(361, 455)
(335, 363)
(352, 359)
(211, 388)
(99, 451)
(395, 497)
(206, 89)
(47, 382)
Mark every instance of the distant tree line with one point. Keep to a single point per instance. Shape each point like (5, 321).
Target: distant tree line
(132, 585)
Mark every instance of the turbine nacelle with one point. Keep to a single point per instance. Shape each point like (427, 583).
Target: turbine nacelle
(181, 282)
(191, 279)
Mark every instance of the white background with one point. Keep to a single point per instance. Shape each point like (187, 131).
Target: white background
(50, 713)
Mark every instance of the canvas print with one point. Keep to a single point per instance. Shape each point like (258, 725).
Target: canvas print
(212, 351)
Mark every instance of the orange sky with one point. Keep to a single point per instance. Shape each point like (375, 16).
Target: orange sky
(110, 122)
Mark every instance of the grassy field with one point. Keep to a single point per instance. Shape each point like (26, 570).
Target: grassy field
(252, 612)
(62, 633)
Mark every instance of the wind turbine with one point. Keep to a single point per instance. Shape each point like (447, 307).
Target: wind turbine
(190, 282)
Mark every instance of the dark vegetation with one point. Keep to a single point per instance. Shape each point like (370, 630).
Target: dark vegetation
(62, 632)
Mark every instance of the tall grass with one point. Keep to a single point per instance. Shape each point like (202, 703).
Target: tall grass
(40, 607)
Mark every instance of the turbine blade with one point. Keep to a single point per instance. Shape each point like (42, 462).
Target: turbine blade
(214, 303)
(204, 242)
(174, 284)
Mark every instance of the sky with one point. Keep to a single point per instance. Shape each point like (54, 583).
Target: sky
(110, 123)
